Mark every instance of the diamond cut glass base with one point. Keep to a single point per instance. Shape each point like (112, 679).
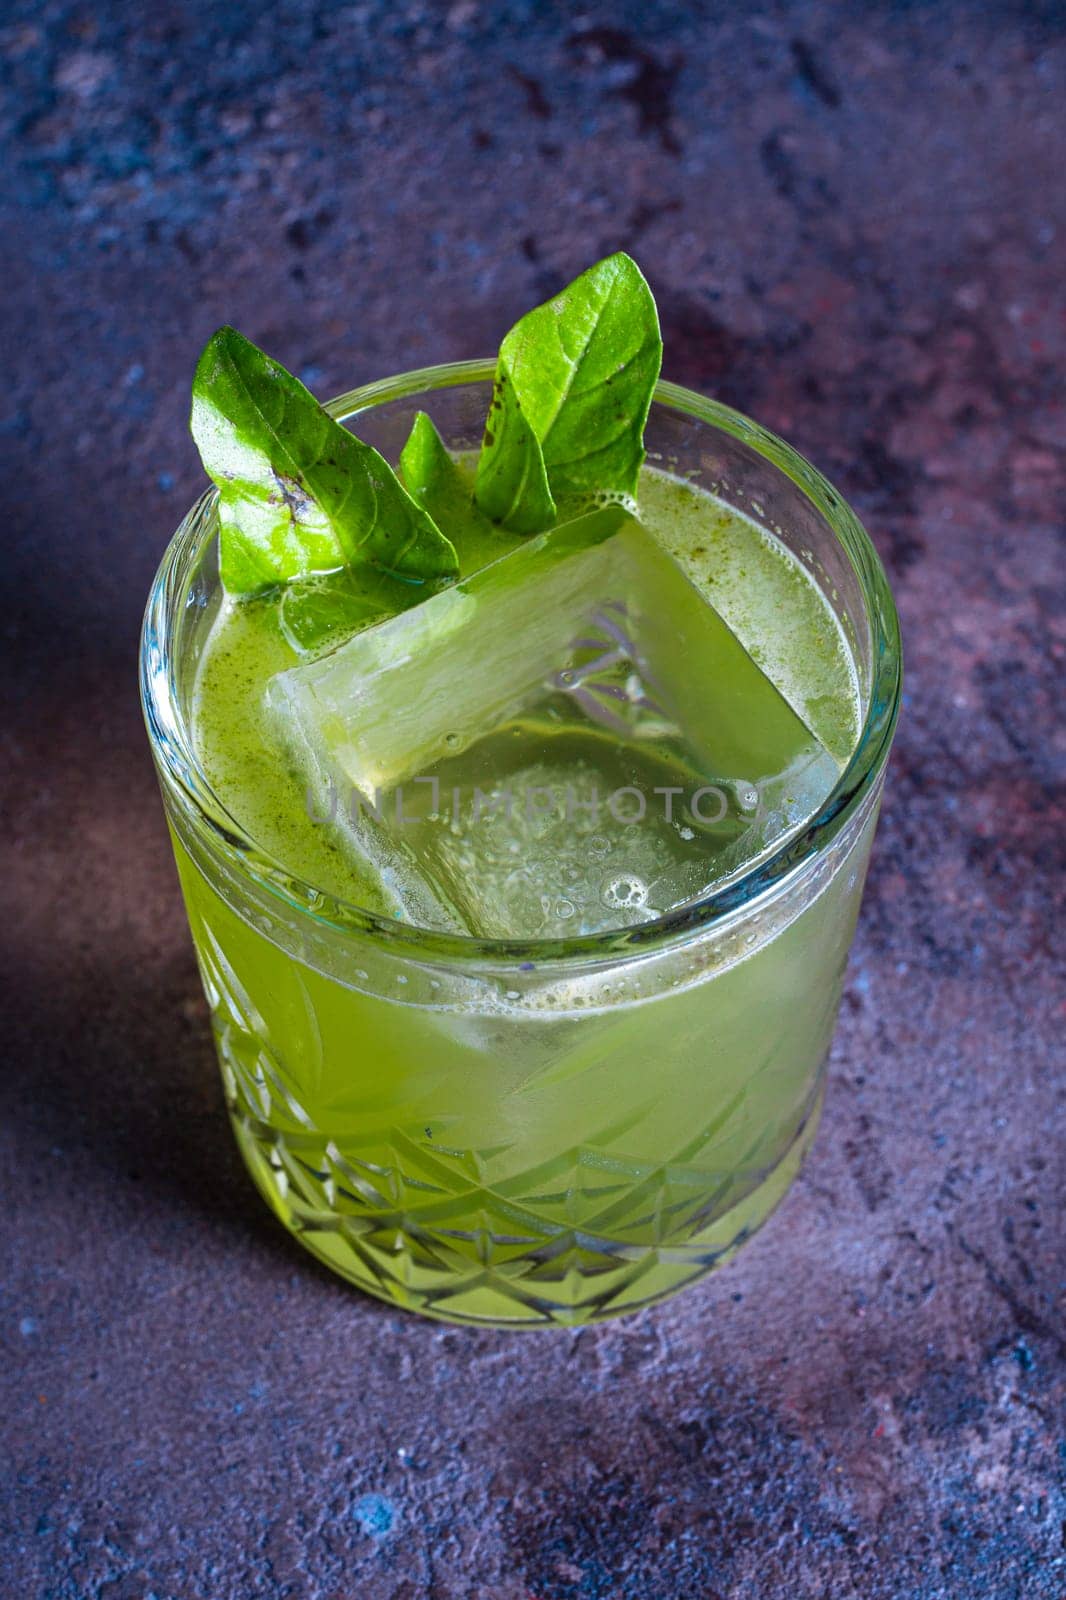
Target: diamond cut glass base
(497, 1256)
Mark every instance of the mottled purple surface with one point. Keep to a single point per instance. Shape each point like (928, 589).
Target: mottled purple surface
(852, 216)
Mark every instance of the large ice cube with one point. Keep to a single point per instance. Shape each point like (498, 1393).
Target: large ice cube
(570, 740)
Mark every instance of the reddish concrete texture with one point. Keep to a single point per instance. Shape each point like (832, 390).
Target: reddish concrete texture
(853, 219)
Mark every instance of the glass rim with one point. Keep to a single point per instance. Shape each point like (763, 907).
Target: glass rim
(175, 753)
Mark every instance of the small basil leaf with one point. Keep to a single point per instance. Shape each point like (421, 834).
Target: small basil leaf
(512, 482)
(436, 482)
(298, 493)
(319, 612)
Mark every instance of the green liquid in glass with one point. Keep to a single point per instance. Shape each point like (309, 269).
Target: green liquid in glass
(565, 1150)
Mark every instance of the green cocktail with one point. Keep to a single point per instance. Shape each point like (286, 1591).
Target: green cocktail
(521, 805)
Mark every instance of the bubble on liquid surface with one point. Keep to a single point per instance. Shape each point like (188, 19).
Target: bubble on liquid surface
(626, 892)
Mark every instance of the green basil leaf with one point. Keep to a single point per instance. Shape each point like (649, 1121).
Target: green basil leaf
(579, 372)
(512, 481)
(298, 493)
(436, 481)
(319, 612)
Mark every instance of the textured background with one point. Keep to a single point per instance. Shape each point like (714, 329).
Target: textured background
(852, 216)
